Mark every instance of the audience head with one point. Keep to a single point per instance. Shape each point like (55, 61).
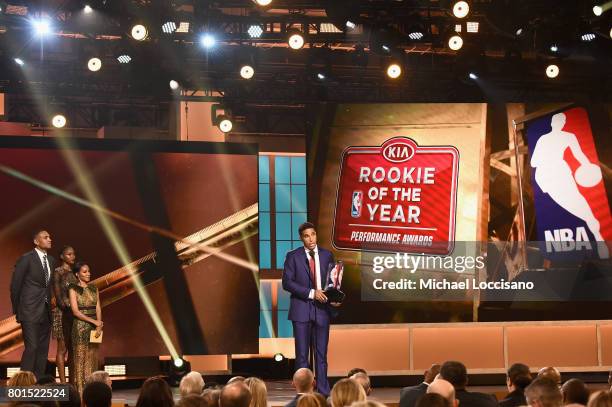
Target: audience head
(445, 389)
(455, 373)
(100, 376)
(191, 383)
(192, 400)
(211, 397)
(345, 392)
(601, 399)
(155, 392)
(74, 398)
(356, 370)
(235, 394)
(364, 381)
(543, 392)
(518, 377)
(367, 403)
(303, 380)
(22, 378)
(236, 379)
(431, 373)
(574, 391)
(311, 400)
(551, 373)
(259, 392)
(97, 394)
(432, 400)
(46, 379)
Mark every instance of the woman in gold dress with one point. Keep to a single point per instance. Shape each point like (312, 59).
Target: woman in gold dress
(85, 305)
(62, 314)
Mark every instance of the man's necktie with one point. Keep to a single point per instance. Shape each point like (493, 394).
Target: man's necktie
(313, 269)
(46, 268)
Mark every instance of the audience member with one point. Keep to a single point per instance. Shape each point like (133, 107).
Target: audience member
(543, 392)
(97, 394)
(456, 373)
(445, 389)
(192, 400)
(552, 373)
(517, 378)
(364, 381)
(191, 383)
(432, 400)
(155, 392)
(367, 403)
(303, 381)
(312, 400)
(101, 376)
(259, 392)
(356, 370)
(22, 378)
(236, 394)
(410, 395)
(601, 399)
(211, 397)
(236, 379)
(345, 392)
(575, 393)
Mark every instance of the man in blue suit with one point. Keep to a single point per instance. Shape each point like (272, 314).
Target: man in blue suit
(305, 276)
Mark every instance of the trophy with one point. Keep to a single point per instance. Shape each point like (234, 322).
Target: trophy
(334, 279)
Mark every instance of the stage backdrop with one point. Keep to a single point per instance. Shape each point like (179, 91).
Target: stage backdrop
(182, 189)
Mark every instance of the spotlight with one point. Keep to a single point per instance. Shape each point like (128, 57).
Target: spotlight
(225, 123)
(124, 59)
(461, 9)
(169, 27)
(94, 64)
(139, 32)
(320, 76)
(42, 27)
(247, 72)
(178, 362)
(472, 26)
(58, 121)
(394, 71)
(554, 48)
(386, 48)
(350, 25)
(473, 76)
(552, 71)
(177, 369)
(296, 41)
(19, 61)
(587, 37)
(455, 42)
(279, 357)
(183, 27)
(610, 32)
(87, 9)
(597, 10)
(207, 40)
(263, 2)
(174, 85)
(417, 35)
(255, 31)
(519, 32)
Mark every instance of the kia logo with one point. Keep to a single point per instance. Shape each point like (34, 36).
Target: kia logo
(398, 150)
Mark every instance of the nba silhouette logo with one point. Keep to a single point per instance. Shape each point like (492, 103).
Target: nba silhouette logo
(356, 204)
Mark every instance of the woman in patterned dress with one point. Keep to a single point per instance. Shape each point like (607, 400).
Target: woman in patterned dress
(62, 315)
(85, 304)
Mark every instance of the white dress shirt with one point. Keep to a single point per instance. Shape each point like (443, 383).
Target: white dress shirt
(317, 270)
(42, 255)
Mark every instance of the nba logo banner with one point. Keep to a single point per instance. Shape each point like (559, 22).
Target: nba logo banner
(571, 205)
(397, 197)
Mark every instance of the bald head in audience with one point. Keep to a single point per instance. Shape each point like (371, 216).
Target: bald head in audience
(236, 394)
(445, 389)
(303, 380)
(364, 381)
(543, 392)
(575, 392)
(550, 373)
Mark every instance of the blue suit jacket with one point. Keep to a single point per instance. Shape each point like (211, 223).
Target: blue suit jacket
(297, 281)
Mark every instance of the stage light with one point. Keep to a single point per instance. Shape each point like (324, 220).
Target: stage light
(386, 48)
(115, 370)
(417, 35)
(42, 27)
(207, 40)
(263, 2)
(139, 32)
(455, 42)
(461, 9)
(183, 27)
(587, 37)
(279, 357)
(472, 26)
(473, 76)
(255, 31)
(87, 9)
(178, 362)
(247, 72)
(94, 64)
(552, 71)
(177, 369)
(124, 59)
(519, 32)
(19, 61)
(350, 25)
(320, 76)
(554, 48)
(296, 41)
(225, 124)
(458, 28)
(394, 71)
(610, 32)
(174, 85)
(597, 10)
(58, 121)
(329, 28)
(169, 27)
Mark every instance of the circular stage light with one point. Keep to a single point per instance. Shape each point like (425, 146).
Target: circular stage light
(552, 71)
(174, 85)
(279, 357)
(394, 71)
(178, 362)
(42, 27)
(455, 42)
(461, 9)
(473, 76)
(139, 32)
(597, 10)
(263, 2)
(19, 61)
(296, 41)
(58, 121)
(208, 40)
(225, 124)
(87, 9)
(247, 72)
(94, 64)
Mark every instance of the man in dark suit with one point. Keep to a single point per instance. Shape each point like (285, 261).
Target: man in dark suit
(409, 396)
(303, 381)
(456, 373)
(31, 297)
(517, 378)
(305, 276)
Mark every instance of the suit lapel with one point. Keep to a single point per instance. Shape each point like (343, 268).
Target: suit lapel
(304, 261)
(38, 261)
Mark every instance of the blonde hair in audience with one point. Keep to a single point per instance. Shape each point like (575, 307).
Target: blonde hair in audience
(311, 400)
(22, 378)
(601, 399)
(345, 392)
(259, 392)
(191, 383)
(368, 403)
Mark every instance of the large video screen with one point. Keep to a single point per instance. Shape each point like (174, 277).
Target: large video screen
(154, 210)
